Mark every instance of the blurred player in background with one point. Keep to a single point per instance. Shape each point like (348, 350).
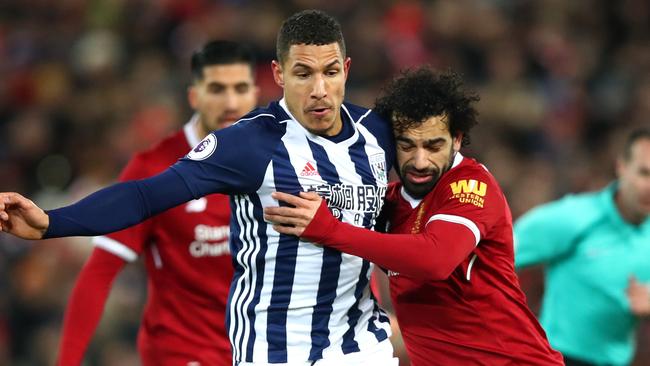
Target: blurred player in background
(596, 252)
(186, 249)
(449, 255)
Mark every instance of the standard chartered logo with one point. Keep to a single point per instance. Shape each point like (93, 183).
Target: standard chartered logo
(200, 247)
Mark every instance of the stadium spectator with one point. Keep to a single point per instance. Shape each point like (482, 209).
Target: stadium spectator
(595, 248)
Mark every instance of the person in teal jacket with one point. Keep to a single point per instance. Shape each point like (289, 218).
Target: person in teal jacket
(596, 251)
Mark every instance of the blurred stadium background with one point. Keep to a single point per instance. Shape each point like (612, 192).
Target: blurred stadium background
(85, 83)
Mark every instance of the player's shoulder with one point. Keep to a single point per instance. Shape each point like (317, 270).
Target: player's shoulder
(260, 126)
(363, 115)
(271, 118)
(465, 168)
(585, 206)
(468, 181)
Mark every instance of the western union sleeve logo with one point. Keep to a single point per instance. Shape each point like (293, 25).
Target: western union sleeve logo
(469, 191)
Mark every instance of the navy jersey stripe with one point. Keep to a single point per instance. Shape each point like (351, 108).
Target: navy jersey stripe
(349, 343)
(286, 180)
(330, 268)
(372, 327)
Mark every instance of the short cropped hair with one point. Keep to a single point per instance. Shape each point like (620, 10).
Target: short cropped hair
(417, 95)
(221, 52)
(308, 27)
(632, 138)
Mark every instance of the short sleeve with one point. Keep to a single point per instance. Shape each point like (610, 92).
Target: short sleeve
(472, 198)
(548, 232)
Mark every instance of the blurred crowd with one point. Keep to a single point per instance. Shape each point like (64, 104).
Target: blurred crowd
(84, 84)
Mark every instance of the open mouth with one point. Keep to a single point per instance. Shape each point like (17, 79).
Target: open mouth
(319, 112)
(419, 178)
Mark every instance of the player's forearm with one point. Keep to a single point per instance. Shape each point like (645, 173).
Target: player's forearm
(118, 206)
(86, 305)
(429, 256)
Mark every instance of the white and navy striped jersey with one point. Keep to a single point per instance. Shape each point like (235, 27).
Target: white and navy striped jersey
(290, 300)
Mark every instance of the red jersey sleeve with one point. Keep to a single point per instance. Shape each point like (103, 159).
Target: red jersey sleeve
(129, 243)
(86, 305)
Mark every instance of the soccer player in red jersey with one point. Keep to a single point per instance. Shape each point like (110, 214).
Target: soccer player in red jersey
(450, 252)
(186, 249)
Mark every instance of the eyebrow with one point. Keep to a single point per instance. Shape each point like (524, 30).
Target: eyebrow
(300, 64)
(427, 142)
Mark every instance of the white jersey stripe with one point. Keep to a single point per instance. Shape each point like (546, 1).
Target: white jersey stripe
(459, 220)
(115, 247)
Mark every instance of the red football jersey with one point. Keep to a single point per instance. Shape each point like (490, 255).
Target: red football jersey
(478, 315)
(187, 257)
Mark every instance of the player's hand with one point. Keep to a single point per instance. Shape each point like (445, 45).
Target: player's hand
(21, 217)
(293, 220)
(638, 294)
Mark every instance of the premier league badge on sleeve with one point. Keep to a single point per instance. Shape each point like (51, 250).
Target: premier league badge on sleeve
(204, 149)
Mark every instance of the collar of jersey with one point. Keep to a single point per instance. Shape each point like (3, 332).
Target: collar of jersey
(609, 197)
(322, 140)
(190, 131)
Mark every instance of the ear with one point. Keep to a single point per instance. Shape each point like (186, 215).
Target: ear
(193, 97)
(457, 142)
(346, 66)
(277, 73)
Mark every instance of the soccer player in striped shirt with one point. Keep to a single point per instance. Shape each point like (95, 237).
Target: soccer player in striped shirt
(291, 302)
(184, 248)
(450, 253)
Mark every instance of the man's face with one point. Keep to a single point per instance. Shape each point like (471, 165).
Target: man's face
(225, 93)
(313, 78)
(424, 153)
(634, 181)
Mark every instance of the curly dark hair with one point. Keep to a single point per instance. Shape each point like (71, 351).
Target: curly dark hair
(310, 27)
(417, 95)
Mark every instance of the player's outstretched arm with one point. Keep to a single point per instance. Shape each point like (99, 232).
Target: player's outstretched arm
(107, 210)
(21, 217)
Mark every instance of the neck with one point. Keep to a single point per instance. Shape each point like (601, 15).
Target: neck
(200, 130)
(337, 127)
(628, 214)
